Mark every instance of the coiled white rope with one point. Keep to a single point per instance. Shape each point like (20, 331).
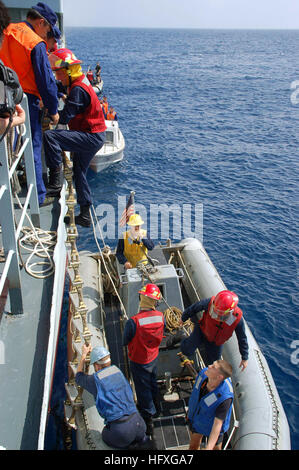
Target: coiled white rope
(40, 244)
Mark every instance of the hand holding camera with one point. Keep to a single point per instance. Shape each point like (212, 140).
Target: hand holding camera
(18, 119)
(11, 95)
(11, 92)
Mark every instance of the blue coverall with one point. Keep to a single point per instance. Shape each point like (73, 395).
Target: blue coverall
(122, 432)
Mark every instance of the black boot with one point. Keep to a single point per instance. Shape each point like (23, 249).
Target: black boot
(157, 404)
(83, 218)
(55, 181)
(149, 426)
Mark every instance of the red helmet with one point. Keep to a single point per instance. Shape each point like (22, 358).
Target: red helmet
(62, 59)
(152, 291)
(225, 303)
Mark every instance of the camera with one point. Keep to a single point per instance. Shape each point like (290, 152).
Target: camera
(11, 92)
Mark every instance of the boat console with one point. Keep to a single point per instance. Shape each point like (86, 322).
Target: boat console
(166, 277)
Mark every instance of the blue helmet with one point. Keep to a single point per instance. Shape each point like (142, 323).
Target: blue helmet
(98, 353)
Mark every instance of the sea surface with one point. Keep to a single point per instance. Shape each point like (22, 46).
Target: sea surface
(211, 120)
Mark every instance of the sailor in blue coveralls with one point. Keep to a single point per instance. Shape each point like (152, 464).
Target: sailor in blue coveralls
(124, 426)
(210, 405)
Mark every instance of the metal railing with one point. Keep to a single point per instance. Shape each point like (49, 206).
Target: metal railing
(11, 229)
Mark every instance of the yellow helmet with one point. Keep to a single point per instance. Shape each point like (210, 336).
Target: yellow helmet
(135, 219)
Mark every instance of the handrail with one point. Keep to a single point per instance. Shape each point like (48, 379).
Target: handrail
(5, 270)
(10, 232)
(17, 160)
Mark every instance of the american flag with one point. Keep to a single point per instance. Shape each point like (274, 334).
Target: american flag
(128, 211)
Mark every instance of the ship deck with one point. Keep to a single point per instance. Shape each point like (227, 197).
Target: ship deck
(24, 343)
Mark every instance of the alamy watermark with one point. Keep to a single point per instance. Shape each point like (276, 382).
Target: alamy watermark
(295, 93)
(2, 353)
(162, 221)
(295, 353)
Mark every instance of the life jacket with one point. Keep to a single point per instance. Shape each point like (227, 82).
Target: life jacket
(216, 331)
(89, 75)
(115, 397)
(18, 41)
(105, 106)
(132, 251)
(144, 347)
(111, 116)
(201, 412)
(92, 119)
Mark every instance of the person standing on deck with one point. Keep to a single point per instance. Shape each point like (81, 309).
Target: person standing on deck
(85, 137)
(24, 49)
(143, 334)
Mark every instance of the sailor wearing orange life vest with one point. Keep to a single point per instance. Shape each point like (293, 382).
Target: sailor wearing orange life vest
(24, 49)
(215, 320)
(112, 116)
(143, 334)
(104, 104)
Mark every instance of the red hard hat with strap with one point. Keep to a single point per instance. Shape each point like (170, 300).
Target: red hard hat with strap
(151, 291)
(62, 59)
(225, 303)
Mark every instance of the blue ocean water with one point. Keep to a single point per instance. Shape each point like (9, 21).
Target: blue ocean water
(208, 118)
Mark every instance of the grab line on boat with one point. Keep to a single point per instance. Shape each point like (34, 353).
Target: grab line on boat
(103, 259)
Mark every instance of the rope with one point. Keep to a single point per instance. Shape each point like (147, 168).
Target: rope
(106, 253)
(173, 320)
(103, 259)
(173, 313)
(189, 278)
(41, 244)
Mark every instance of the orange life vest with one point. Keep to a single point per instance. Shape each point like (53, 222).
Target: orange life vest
(92, 119)
(111, 116)
(18, 41)
(105, 106)
(144, 347)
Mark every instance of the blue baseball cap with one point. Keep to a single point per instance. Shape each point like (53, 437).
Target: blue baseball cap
(46, 12)
(56, 33)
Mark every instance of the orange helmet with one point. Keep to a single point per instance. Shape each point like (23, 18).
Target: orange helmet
(151, 291)
(62, 59)
(224, 303)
